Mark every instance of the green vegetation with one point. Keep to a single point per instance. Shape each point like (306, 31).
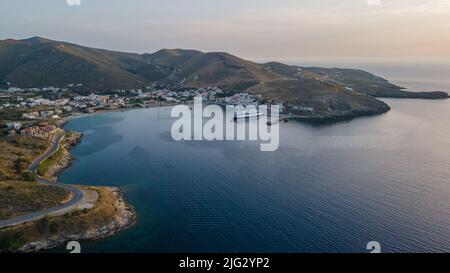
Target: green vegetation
(44, 167)
(170, 68)
(76, 222)
(43, 225)
(18, 152)
(137, 102)
(19, 193)
(328, 100)
(6, 114)
(11, 241)
(81, 64)
(28, 176)
(21, 197)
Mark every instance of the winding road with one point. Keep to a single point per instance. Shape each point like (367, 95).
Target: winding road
(77, 194)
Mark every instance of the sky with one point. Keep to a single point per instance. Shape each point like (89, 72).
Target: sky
(254, 29)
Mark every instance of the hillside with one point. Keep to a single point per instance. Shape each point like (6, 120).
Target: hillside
(372, 85)
(329, 101)
(39, 62)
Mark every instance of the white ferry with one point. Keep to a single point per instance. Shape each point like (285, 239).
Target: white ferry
(253, 113)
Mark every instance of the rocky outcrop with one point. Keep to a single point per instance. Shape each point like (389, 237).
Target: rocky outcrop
(70, 140)
(372, 85)
(124, 218)
(327, 102)
(401, 94)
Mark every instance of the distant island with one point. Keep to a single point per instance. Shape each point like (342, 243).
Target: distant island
(315, 94)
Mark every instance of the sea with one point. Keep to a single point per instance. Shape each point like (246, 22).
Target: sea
(328, 189)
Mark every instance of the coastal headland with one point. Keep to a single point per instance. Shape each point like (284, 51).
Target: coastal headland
(38, 95)
(178, 75)
(86, 213)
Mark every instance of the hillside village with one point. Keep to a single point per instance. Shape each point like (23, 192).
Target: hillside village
(39, 109)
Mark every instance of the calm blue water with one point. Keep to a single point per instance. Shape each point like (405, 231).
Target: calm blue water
(327, 189)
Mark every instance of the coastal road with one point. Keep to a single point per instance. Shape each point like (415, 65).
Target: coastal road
(77, 194)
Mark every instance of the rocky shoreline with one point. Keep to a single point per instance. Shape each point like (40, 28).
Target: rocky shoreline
(341, 117)
(67, 158)
(403, 94)
(125, 217)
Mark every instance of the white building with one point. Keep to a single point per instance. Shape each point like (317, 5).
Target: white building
(14, 125)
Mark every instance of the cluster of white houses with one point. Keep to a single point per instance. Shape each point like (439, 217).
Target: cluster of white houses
(33, 102)
(34, 89)
(59, 107)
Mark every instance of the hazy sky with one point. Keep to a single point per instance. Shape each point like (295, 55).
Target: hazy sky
(256, 29)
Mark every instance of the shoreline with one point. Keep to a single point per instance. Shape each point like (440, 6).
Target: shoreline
(123, 216)
(126, 216)
(65, 120)
(67, 158)
(315, 120)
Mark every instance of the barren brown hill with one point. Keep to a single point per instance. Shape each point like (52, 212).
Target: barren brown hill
(39, 62)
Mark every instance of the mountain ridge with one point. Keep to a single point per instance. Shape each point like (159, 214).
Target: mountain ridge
(216, 67)
(40, 62)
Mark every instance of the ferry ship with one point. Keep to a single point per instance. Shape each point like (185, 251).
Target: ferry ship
(253, 113)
